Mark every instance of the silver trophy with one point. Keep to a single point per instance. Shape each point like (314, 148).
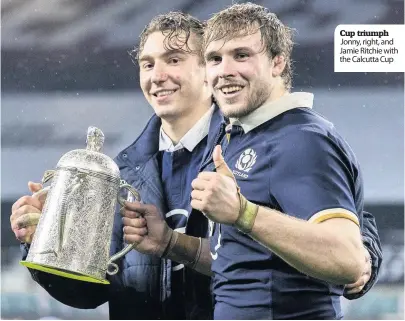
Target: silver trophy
(73, 235)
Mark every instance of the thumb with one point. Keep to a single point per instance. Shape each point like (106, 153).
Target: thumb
(219, 162)
(34, 187)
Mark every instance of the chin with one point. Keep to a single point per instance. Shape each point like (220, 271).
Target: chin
(166, 112)
(234, 110)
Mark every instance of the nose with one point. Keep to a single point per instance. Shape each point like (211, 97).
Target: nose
(227, 68)
(159, 74)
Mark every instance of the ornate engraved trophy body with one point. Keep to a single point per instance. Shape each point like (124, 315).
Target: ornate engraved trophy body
(73, 235)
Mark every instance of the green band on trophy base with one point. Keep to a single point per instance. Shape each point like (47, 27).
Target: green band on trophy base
(63, 273)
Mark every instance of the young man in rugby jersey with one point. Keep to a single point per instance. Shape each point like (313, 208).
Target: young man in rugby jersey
(287, 195)
(268, 263)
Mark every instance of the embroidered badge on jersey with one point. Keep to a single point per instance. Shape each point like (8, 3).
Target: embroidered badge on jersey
(245, 163)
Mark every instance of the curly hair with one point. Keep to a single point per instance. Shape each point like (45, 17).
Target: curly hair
(245, 19)
(177, 27)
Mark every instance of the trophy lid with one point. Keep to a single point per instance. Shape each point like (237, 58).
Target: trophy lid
(95, 139)
(92, 157)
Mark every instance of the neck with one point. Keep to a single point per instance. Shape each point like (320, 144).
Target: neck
(278, 91)
(177, 127)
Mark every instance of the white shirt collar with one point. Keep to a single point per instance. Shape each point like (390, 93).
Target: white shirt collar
(273, 109)
(191, 139)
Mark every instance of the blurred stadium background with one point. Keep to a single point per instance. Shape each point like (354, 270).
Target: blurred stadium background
(65, 66)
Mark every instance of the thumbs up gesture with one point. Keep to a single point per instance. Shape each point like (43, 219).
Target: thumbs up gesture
(220, 165)
(216, 194)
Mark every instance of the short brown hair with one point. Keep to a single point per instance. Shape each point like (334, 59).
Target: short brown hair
(241, 20)
(177, 28)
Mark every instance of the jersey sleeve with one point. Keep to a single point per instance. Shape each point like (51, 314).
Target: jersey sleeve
(371, 241)
(313, 178)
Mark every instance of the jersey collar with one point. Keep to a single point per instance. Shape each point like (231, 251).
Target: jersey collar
(273, 109)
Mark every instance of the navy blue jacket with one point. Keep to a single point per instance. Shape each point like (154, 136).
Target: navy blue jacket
(141, 290)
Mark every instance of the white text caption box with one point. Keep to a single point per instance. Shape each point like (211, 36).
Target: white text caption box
(369, 48)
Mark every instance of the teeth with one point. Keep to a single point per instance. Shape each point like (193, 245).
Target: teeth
(164, 93)
(230, 89)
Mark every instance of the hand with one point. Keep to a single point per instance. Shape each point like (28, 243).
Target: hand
(216, 194)
(145, 228)
(25, 214)
(362, 281)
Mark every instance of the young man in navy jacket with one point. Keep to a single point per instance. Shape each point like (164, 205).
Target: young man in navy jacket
(160, 164)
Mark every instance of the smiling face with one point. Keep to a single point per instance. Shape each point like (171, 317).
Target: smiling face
(240, 73)
(247, 50)
(171, 79)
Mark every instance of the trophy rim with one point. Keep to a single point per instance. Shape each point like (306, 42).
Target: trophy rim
(64, 273)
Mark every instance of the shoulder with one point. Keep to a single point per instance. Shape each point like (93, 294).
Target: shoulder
(144, 145)
(293, 123)
(309, 138)
(306, 137)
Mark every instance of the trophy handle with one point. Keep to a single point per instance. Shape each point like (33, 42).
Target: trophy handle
(41, 194)
(132, 190)
(113, 268)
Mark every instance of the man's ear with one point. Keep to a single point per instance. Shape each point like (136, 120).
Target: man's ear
(278, 65)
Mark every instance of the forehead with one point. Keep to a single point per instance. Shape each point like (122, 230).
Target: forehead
(157, 43)
(253, 41)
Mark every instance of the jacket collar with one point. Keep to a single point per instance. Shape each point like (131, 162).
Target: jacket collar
(147, 143)
(144, 147)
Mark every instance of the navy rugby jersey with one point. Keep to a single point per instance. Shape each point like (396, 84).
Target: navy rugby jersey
(289, 158)
(179, 166)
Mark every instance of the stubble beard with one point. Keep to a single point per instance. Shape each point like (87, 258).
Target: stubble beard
(250, 103)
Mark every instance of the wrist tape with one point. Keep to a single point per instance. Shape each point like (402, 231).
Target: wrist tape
(247, 214)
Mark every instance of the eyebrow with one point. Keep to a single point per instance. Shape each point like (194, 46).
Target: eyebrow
(212, 53)
(164, 55)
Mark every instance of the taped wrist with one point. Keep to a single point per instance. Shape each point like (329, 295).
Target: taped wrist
(247, 214)
(184, 249)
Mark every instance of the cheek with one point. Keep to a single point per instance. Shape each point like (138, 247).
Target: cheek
(144, 82)
(210, 75)
(249, 72)
(145, 92)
